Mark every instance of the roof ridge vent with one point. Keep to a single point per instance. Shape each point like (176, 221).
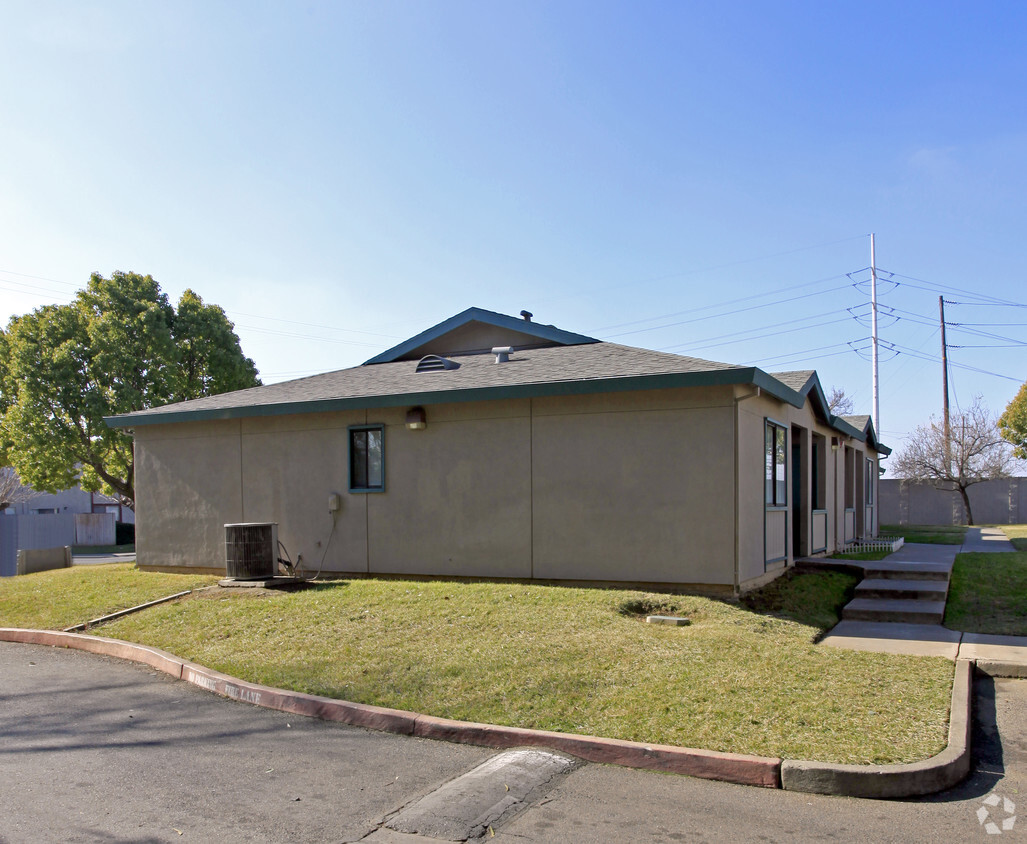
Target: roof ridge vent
(502, 353)
(435, 363)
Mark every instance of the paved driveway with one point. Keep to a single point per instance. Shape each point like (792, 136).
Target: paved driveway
(103, 559)
(93, 749)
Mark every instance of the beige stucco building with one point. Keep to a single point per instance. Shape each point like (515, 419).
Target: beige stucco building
(561, 458)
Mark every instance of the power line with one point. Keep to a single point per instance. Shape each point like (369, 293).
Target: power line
(1001, 304)
(700, 270)
(337, 340)
(803, 353)
(719, 304)
(728, 313)
(991, 346)
(988, 334)
(935, 287)
(740, 339)
(316, 325)
(36, 290)
(935, 359)
(40, 278)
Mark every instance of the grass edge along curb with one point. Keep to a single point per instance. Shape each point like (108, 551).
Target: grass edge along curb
(912, 779)
(877, 781)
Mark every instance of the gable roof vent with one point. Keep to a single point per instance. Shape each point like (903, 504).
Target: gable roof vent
(434, 363)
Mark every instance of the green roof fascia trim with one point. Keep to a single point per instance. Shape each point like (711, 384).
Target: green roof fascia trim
(713, 378)
(844, 427)
(543, 332)
(815, 391)
(866, 435)
(871, 437)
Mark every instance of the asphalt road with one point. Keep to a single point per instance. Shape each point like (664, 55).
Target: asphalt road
(93, 749)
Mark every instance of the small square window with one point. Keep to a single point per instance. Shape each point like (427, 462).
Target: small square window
(367, 458)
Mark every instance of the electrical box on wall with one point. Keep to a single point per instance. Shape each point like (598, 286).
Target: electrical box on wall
(334, 502)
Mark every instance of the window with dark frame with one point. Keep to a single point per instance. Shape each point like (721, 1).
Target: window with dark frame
(367, 458)
(776, 472)
(868, 481)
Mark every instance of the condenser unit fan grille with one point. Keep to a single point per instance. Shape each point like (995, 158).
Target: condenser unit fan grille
(251, 550)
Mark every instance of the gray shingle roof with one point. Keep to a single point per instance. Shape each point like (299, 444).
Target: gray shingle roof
(558, 370)
(796, 379)
(370, 385)
(858, 422)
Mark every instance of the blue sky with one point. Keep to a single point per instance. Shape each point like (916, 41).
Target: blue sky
(694, 177)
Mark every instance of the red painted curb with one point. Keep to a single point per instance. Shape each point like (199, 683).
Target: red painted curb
(325, 708)
(707, 764)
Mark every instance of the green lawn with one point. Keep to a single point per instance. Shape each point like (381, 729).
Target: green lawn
(1017, 535)
(577, 660)
(988, 592)
(53, 600)
(928, 534)
(810, 598)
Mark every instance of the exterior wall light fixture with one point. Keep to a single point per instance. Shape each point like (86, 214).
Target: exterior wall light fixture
(416, 419)
(834, 443)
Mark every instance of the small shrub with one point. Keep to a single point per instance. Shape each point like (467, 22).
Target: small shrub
(814, 598)
(124, 533)
(647, 605)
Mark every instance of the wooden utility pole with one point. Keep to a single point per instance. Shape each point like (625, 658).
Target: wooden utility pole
(945, 384)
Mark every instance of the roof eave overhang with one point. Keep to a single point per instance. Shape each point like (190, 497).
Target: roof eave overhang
(866, 434)
(724, 377)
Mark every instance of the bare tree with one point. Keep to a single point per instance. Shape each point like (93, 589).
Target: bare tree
(976, 452)
(838, 403)
(12, 490)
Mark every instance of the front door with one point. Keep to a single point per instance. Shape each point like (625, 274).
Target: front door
(798, 545)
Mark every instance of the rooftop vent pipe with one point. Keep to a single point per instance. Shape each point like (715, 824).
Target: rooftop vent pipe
(502, 353)
(527, 315)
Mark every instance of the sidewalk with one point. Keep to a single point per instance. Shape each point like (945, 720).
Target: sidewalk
(101, 559)
(985, 539)
(1007, 652)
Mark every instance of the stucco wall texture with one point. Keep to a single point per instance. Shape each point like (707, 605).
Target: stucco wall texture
(638, 487)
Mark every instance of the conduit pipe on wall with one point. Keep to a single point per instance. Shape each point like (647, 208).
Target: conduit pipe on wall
(738, 483)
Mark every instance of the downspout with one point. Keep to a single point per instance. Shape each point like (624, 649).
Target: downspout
(738, 482)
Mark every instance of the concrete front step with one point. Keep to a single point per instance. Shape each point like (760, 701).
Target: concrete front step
(902, 611)
(907, 571)
(893, 589)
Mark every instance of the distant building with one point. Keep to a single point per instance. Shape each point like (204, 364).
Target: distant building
(74, 500)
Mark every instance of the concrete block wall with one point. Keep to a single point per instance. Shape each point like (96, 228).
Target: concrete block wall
(8, 546)
(49, 530)
(44, 559)
(1000, 502)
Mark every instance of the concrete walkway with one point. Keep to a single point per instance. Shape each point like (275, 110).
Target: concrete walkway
(985, 539)
(932, 639)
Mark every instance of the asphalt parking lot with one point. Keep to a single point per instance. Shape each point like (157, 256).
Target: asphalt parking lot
(98, 750)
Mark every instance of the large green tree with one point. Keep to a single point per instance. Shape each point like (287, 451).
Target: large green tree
(1013, 423)
(119, 346)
